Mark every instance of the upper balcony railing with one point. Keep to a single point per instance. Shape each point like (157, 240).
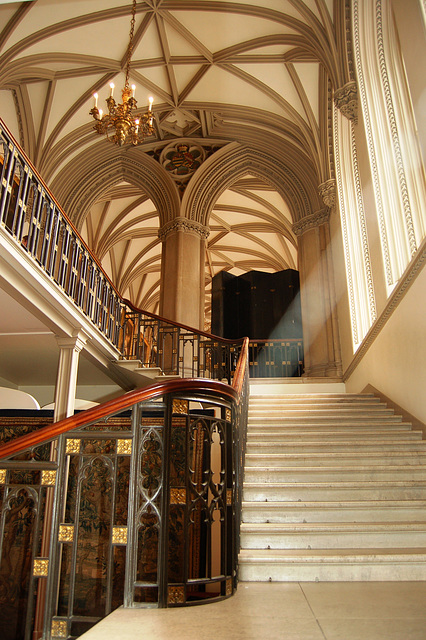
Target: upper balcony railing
(30, 213)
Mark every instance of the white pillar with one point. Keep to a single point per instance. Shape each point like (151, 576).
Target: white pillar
(66, 379)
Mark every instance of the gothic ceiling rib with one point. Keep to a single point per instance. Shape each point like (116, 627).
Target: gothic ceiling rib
(252, 72)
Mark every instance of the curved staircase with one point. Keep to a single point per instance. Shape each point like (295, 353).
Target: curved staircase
(335, 489)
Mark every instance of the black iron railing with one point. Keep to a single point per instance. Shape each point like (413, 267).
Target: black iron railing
(277, 358)
(140, 506)
(175, 348)
(30, 214)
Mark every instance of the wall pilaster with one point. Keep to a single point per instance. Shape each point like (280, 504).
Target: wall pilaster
(318, 300)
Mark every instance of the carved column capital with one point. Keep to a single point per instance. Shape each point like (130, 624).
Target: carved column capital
(310, 222)
(346, 100)
(185, 225)
(327, 191)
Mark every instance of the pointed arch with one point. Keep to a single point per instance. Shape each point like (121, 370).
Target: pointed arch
(233, 162)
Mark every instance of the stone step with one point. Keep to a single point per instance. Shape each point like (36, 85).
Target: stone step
(326, 535)
(333, 474)
(326, 416)
(326, 409)
(319, 445)
(338, 432)
(342, 425)
(339, 511)
(333, 491)
(328, 436)
(314, 398)
(282, 565)
(382, 458)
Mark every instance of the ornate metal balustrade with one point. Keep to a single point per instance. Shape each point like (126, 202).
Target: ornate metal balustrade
(278, 358)
(176, 349)
(140, 506)
(30, 214)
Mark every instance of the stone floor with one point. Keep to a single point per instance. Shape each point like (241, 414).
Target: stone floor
(284, 611)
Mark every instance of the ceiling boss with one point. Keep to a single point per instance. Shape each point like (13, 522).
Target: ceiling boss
(121, 125)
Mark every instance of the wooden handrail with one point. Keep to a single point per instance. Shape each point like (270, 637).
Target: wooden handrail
(51, 431)
(238, 380)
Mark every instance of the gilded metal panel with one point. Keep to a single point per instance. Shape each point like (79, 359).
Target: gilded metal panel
(59, 629)
(48, 478)
(66, 533)
(229, 586)
(229, 497)
(2, 476)
(124, 447)
(73, 445)
(180, 406)
(176, 595)
(41, 567)
(177, 495)
(228, 415)
(119, 535)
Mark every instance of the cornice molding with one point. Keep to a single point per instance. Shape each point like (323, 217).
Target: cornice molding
(346, 100)
(183, 225)
(405, 282)
(311, 222)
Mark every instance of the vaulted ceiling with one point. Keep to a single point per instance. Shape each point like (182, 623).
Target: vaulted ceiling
(259, 73)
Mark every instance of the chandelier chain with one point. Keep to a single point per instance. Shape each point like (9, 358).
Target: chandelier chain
(130, 47)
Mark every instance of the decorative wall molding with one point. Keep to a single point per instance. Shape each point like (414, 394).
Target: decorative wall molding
(363, 229)
(345, 235)
(349, 40)
(370, 143)
(181, 159)
(408, 277)
(185, 225)
(346, 100)
(19, 118)
(310, 222)
(394, 130)
(328, 193)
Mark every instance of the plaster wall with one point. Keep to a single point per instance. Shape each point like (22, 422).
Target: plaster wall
(395, 362)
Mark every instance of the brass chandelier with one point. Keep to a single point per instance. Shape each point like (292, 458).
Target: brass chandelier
(120, 124)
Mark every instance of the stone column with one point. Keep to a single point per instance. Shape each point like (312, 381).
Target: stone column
(320, 330)
(182, 271)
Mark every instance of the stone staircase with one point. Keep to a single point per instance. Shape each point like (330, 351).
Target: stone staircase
(335, 489)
